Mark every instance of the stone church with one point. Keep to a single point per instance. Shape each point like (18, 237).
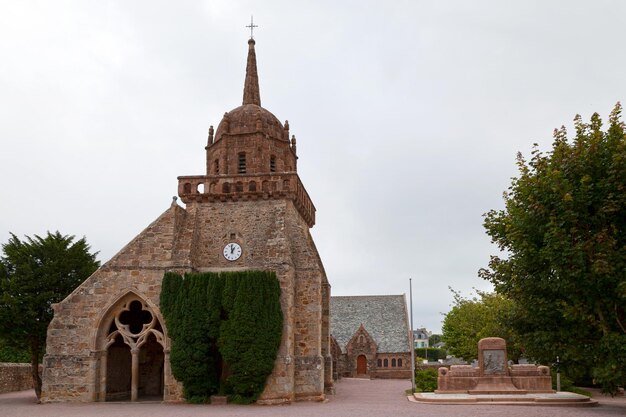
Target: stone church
(370, 336)
(108, 339)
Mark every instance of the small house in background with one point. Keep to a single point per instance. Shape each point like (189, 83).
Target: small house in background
(370, 336)
(420, 338)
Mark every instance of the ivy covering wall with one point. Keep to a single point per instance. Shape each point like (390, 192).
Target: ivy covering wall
(225, 330)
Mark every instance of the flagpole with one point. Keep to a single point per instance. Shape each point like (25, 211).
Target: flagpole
(412, 337)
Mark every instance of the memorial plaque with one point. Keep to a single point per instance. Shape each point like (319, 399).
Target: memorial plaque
(494, 362)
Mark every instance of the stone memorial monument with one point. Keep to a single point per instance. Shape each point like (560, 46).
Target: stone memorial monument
(494, 375)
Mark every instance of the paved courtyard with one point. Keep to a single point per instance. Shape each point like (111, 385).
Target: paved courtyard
(355, 397)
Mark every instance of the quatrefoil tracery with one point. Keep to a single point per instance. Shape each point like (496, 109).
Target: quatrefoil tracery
(135, 322)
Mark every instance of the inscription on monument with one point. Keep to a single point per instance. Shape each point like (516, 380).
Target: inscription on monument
(493, 361)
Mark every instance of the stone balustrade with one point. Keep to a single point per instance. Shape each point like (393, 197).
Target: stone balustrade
(202, 188)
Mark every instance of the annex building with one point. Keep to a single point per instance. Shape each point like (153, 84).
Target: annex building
(370, 336)
(249, 210)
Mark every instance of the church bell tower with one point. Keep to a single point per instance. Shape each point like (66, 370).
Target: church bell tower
(251, 211)
(250, 156)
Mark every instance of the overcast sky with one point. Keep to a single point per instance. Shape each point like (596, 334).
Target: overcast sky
(408, 116)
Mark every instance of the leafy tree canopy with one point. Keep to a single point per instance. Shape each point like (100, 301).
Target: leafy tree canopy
(34, 274)
(563, 232)
(432, 354)
(434, 339)
(13, 354)
(470, 320)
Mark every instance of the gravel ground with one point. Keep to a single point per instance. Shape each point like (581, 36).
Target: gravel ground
(354, 397)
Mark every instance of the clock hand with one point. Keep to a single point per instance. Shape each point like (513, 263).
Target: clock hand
(232, 248)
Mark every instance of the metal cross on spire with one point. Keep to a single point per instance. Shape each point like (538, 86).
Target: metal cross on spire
(252, 26)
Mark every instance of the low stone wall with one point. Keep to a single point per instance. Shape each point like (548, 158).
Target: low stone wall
(15, 377)
(436, 366)
(393, 374)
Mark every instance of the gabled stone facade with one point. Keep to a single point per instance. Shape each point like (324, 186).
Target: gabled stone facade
(108, 339)
(370, 336)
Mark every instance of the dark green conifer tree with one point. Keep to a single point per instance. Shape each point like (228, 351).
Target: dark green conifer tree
(225, 329)
(251, 336)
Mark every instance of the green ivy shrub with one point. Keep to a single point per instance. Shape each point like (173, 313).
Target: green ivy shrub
(225, 330)
(568, 385)
(250, 337)
(426, 380)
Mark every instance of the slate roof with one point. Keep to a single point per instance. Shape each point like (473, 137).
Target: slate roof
(384, 317)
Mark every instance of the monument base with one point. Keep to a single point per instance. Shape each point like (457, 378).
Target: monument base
(496, 385)
(561, 399)
(494, 376)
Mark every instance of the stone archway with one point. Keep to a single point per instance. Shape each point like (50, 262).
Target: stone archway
(361, 365)
(132, 361)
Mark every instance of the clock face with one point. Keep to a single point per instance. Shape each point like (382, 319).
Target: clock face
(232, 251)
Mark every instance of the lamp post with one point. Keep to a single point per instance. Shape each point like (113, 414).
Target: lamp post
(558, 375)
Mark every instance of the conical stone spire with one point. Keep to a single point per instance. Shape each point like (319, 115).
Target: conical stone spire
(251, 94)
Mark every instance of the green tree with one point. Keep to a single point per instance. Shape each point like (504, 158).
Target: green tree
(13, 354)
(432, 354)
(434, 339)
(250, 337)
(34, 274)
(470, 320)
(563, 234)
(192, 308)
(225, 329)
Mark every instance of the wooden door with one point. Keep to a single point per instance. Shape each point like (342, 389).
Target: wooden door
(361, 365)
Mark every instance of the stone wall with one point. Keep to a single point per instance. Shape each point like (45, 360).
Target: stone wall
(391, 371)
(273, 236)
(75, 367)
(15, 377)
(376, 369)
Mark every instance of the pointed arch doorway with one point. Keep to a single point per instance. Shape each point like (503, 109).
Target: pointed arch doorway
(132, 352)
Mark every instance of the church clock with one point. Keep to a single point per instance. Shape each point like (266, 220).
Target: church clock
(232, 251)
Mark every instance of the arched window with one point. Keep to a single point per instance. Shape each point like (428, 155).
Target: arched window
(216, 167)
(272, 163)
(241, 168)
(386, 363)
(252, 186)
(239, 187)
(393, 363)
(399, 363)
(379, 363)
(226, 187)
